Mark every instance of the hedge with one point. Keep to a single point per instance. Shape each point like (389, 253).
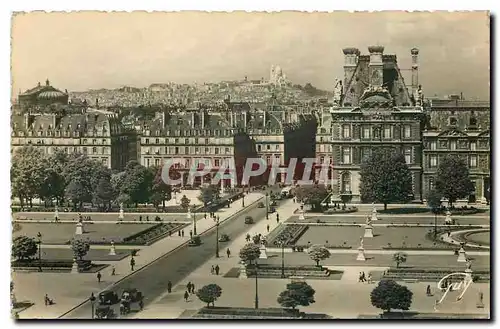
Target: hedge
(340, 211)
(51, 263)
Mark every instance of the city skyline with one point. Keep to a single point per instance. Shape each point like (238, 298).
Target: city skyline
(74, 54)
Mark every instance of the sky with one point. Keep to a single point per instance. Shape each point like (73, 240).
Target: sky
(91, 50)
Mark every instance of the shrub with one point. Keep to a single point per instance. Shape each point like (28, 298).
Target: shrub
(24, 247)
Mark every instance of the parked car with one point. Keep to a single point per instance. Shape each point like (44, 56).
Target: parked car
(261, 205)
(108, 297)
(274, 204)
(195, 241)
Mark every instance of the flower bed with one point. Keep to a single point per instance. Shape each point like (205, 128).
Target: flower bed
(292, 232)
(405, 210)
(347, 210)
(240, 311)
(51, 264)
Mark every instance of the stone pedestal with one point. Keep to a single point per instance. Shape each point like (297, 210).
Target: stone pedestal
(468, 275)
(361, 254)
(263, 254)
(368, 231)
(374, 214)
(74, 268)
(79, 228)
(462, 257)
(56, 214)
(243, 271)
(112, 250)
(301, 215)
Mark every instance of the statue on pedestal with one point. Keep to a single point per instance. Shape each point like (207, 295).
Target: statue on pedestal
(120, 216)
(374, 212)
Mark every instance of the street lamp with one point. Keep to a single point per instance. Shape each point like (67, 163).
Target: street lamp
(281, 242)
(256, 286)
(267, 206)
(39, 235)
(92, 300)
(194, 222)
(217, 241)
(243, 197)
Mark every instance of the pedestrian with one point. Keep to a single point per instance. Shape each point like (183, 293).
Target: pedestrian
(212, 270)
(186, 296)
(363, 277)
(217, 268)
(182, 233)
(188, 286)
(113, 271)
(141, 304)
(132, 264)
(428, 290)
(179, 232)
(228, 252)
(205, 215)
(191, 234)
(140, 218)
(170, 233)
(369, 278)
(99, 276)
(46, 299)
(169, 286)
(192, 288)
(267, 228)
(248, 237)
(449, 233)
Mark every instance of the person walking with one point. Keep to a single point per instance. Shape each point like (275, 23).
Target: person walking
(228, 252)
(182, 233)
(188, 286)
(99, 276)
(247, 237)
(360, 277)
(169, 286)
(132, 264)
(363, 277)
(217, 268)
(428, 290)
(113, 270)
(191, 234)
(268, 228)
(192, 288)
(369, 278)
(186, 296)
(212, 270)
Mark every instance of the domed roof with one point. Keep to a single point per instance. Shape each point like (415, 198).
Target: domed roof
(51, 94)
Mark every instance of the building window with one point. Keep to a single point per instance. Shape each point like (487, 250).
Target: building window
(268, 147)
(186, 150)
(259, 148)
(105, 162)
(407, 131)
(473, 161)
(207, 150)
(85, 150)
(278, 159)
(366, 132)
(197, 150)
(387, 132)
(346, 131)
(176, 151)
(408, 155)
(277, 147)
(433, 145)
(346, 155)
(94, 150)
(453, 145)
(157, 162)
(186, 141)
(217, 162)
(216, 150)
(472, 146)
(227, 150)
(147, 163)
(431, 183)
(321, 159)
(268, 160)
(157, 141)
(433, 161)
(146, 141)
(346, 183)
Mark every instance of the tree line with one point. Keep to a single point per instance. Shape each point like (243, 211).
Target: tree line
(61, 178)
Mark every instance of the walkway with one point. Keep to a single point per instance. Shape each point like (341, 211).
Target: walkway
(450, 238)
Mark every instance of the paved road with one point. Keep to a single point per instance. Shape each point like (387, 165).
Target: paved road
(152, 280)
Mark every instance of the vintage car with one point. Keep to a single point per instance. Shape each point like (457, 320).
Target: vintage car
(104, 312)
(224, 238)
(132, 295)
(261, 205)
(195, 241)
(108, 297)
